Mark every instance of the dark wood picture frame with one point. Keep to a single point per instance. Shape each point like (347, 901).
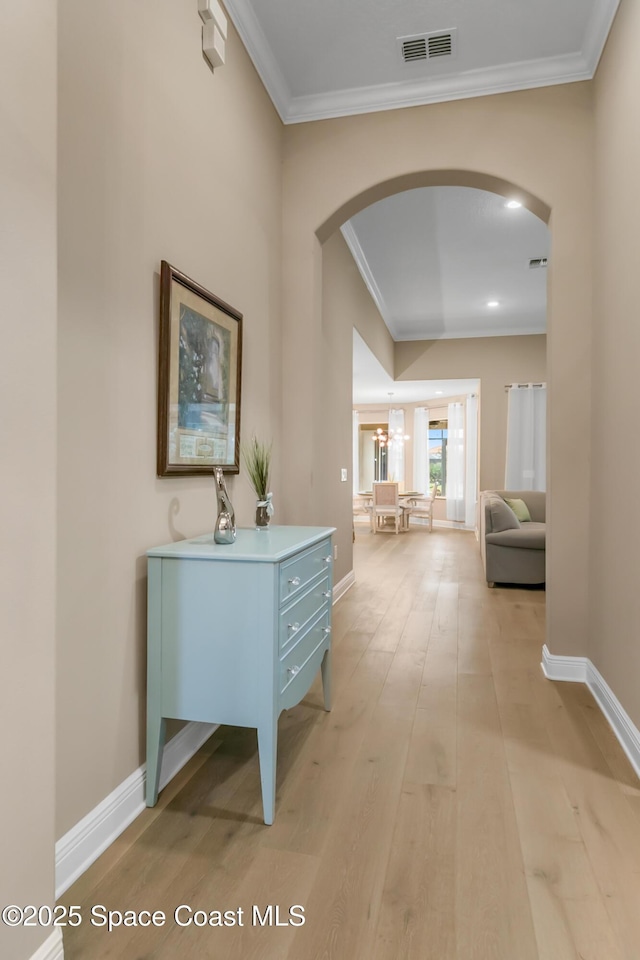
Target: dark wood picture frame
(199, 379)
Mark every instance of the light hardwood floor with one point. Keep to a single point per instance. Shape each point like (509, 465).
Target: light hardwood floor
(454, 805)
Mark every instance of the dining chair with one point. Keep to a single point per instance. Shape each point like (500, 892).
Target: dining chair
(422, 507)
(386, 503)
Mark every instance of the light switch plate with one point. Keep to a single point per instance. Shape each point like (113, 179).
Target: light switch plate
(343, 474)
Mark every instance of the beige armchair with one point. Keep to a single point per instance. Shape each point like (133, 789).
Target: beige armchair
(513, 550)
(385, 504)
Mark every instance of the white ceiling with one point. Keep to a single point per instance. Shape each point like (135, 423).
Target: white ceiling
(330, 58)
(434, 258)
(372, 383)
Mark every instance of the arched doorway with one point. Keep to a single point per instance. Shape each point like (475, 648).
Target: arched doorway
(330, 442)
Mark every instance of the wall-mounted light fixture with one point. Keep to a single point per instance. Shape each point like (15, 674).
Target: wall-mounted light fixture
(214, 31)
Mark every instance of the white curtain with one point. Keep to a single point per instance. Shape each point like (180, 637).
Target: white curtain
(471, 469)
(455, 462)
(355, 469)
(421, 450)
(395, 456)
(526, 462)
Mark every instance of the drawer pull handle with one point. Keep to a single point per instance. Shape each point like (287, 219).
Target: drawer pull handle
(328, 559)
(294, 627)
(326, 630)
(295, 581)
(292, 671)
(326, 593)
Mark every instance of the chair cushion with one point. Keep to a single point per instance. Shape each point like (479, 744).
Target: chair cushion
(520, 509)
(502, 516)
(531, 535)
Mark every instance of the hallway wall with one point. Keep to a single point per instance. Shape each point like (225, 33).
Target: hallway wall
(159, 159)
(615, 599)
(28, 441)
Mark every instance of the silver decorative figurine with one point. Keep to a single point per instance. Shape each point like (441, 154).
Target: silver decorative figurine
(225, 531)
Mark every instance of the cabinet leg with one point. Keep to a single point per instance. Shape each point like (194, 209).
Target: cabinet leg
(155, 744)
(326, 678)
(268, 754)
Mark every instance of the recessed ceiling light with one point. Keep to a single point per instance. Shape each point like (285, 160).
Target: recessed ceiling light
(493, 303)
(438, 393)
(513, 204)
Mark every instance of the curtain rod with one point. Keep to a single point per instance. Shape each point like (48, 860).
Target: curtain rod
(508, 386)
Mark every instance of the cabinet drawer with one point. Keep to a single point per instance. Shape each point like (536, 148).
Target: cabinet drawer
(296, 662)
(300, 570)
(295, 617)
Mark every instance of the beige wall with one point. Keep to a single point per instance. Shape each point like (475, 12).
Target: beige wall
(159, 159)
(345, 299)
(538, 140)
(371, 326)
(615, 608)
(28, 439)
(495, 361)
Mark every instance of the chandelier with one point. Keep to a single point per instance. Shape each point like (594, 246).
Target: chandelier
(389, 442)
(385, 438)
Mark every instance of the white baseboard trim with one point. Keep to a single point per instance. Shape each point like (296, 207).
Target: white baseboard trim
(619, 720)
(52, 948)
(84, 843)
(574, 669)
(443, 524)
(345, 584)
(581, 670)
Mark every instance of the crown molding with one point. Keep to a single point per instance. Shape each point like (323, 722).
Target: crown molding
(474, 83)
(366, 273)
(597, 32)
(473, 333)
(251, 33)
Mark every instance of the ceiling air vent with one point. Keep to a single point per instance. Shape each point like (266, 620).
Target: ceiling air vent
(536, 264)
(428, 46)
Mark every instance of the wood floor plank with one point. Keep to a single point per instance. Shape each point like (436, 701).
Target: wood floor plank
(568, 908)
(345, 615)
(417, 912)
(433, 745)
(473, 638)
(402, 683)
(343, 905)
(432, 750)
(493, 917)
(606, 819)
(274, 882)
(417, 630)
(525, 697)
(319, 785)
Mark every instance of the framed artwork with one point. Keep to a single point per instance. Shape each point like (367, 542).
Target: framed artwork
(198, 379)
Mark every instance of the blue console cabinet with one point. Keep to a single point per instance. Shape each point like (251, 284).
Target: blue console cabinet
(236, 634)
